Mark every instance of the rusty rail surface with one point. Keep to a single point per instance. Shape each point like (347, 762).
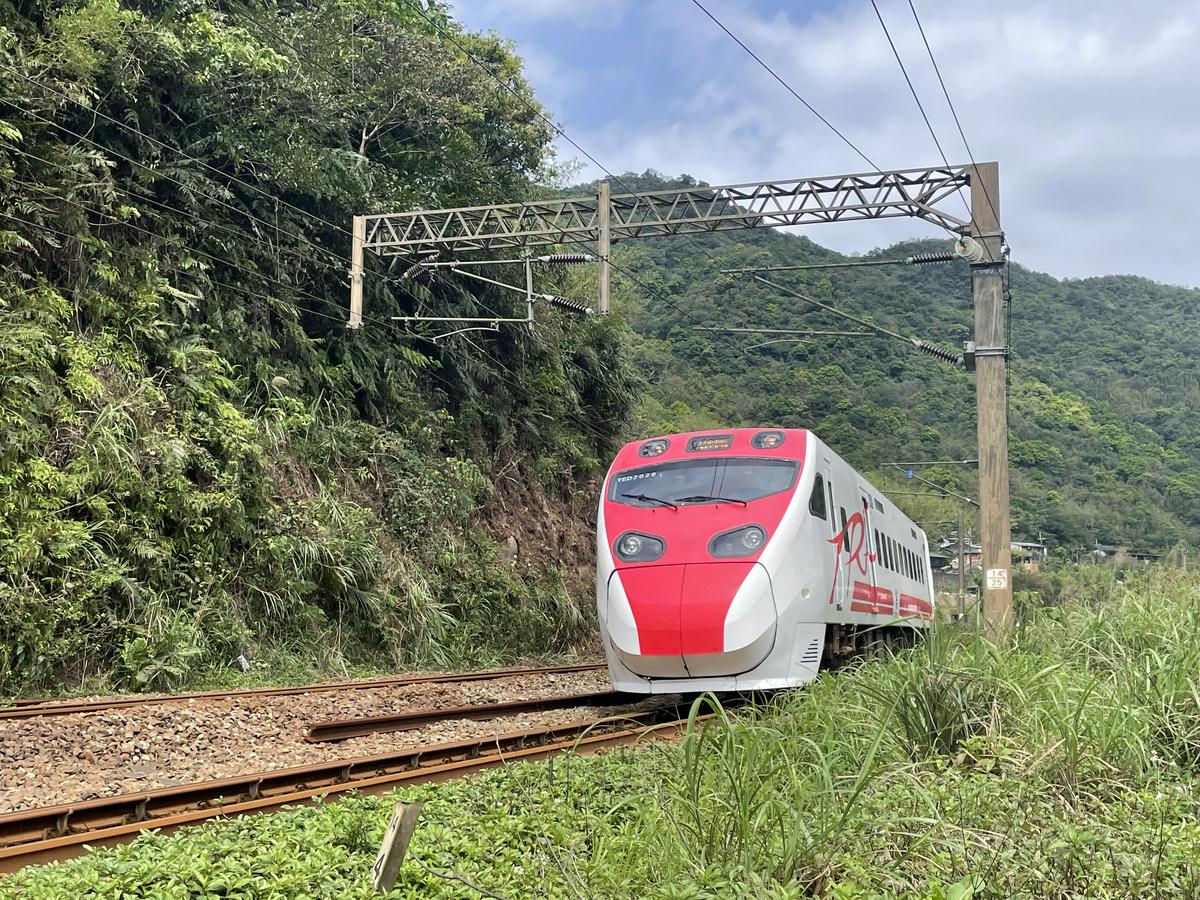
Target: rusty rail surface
(341, 729)
(23, 708)
(51, 833)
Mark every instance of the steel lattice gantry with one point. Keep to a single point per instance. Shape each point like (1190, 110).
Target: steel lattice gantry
(837, 198)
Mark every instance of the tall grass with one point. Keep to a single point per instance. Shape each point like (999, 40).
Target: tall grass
(1062, 762)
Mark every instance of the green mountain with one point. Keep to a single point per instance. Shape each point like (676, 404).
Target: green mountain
(1105, 376)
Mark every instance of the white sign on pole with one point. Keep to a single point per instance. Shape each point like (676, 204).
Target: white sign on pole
(997, 579)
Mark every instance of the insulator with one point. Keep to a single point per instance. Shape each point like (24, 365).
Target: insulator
(566, 259)
(566, 303)
(925, 259)
(940, 352)
(969, 249)
(419, 267)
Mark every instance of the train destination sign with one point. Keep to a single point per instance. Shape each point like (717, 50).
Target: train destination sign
(710, 442)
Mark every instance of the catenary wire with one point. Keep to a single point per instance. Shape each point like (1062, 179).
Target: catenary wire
(916, 97)
(984, 243)
(786, 86)
(42, 227)
(950, 103)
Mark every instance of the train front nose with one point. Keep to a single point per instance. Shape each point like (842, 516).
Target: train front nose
(694, 619)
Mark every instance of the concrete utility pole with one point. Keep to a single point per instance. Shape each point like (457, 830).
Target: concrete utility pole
(357, 236)
(603, 245)
(991, 348)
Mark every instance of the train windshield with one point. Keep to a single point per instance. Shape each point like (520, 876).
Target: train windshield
(703, 480)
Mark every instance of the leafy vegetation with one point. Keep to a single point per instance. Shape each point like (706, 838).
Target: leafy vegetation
(197, 460)
(1104, 387)
(1063, 764)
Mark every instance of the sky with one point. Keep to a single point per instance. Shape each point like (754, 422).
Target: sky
(1091, 107)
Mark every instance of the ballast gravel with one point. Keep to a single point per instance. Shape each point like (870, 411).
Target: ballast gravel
(45, 761)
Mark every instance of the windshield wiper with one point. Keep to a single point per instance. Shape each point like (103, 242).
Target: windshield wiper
(646, 498)
(706, 498)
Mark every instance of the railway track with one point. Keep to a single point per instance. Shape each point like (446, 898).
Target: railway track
(64, 831)
(24, 708)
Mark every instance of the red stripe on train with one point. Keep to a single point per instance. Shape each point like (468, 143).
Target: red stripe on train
(871, 599)
(919, 605)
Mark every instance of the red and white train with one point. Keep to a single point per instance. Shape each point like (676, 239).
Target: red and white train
(743, 559)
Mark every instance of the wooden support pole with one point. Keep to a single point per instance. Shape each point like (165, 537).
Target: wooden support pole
(395, 844)
(358, 237)
(603, 244)
(987, 284)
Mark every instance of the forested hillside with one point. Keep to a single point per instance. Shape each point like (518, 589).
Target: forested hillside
(1105, 383)
(197, 461)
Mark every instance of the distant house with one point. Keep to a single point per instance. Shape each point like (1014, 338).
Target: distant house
(1029, 548)
(972, 553)
(1106, 550)
(939, 560)
(1028, 554)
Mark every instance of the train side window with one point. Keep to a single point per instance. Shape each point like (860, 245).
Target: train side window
(891, 554)
(845, 534)
(912, 567)
(816, 502)
(878, 556)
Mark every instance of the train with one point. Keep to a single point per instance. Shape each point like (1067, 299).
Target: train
(749, 559)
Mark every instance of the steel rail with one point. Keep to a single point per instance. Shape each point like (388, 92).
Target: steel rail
(28, 707)
(46, 834)
(342, 729)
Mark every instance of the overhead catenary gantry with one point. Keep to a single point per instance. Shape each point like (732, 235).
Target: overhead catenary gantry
(910, 193)
(605, 217)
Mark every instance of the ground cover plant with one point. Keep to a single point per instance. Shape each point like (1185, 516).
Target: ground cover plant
(1062, 764)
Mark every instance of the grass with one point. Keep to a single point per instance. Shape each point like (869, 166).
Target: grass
(1064, 764)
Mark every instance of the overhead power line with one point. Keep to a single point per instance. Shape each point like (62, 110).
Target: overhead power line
(737, 40)
(916, 259)
(922, 345)
(938, 487)
(928, 124)
(950, 103)
(912, 88)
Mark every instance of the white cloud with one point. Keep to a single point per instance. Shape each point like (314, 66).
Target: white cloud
(1090, 108)
(506, 12)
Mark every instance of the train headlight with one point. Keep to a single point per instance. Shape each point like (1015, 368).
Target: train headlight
(744, 541)
(654, 448)
(767, 440)
(633, 546)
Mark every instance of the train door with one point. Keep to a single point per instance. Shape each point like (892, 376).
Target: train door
(837, 530)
